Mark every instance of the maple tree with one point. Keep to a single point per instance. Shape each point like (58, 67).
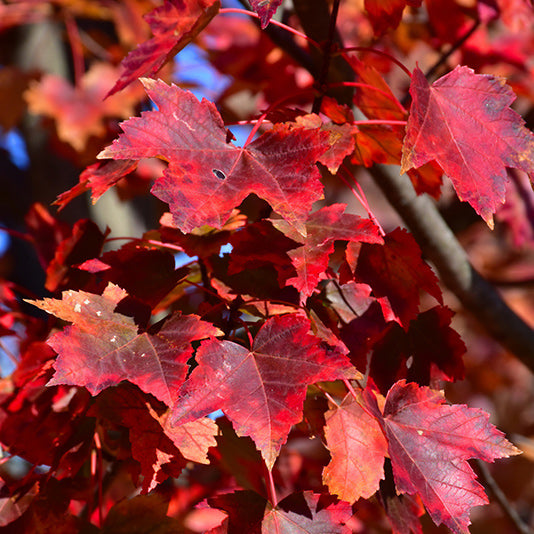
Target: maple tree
(271, 352)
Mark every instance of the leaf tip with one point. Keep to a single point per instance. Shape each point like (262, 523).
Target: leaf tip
(148, 83)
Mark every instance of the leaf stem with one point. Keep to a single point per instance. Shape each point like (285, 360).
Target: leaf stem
(149, 241)
(380, 121)
(452, 49)
(16, 233)
(327, 395)
(372, 87)
(271, 489)
(227, 10)
(360, 195)
(270, 108)
(500, 497)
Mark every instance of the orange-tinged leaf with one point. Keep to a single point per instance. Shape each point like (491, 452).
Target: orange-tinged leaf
(358, 447)
(103, 347)
(464, 122)
(193, 439)
(80, 111)
(374, 97)
(429, 444)
(340, 139)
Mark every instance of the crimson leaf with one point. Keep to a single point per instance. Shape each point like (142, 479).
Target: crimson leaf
(103, 347)
(454, 121)
(208, 177)
(260, 390)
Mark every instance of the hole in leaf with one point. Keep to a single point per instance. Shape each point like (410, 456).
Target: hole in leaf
(219, 174)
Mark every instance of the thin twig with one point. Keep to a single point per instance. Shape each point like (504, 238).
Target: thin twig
(328, 50)
(509, 511)
(9, 354)
(441, 61)
(76, 49)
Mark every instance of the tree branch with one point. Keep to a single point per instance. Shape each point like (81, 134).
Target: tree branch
(441, 247)
(500, 497)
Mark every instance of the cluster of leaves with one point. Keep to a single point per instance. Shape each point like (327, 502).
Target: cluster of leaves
(316, 331)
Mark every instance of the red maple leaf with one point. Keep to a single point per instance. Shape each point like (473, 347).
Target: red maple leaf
(382, 143)
(396, 270)
(428, 351)
(357, 447)
(429, 444)
(116, 266)
(158, 448)
(323, 228)
(174, 24)
(308, 513)
(261, 390)
(207, 176)
(454, 121)
(385, 14)
(103, 347)
(260, 244)
(98, 178)
(340, 139)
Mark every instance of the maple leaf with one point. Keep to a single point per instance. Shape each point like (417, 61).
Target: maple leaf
(80, 111)
(265, 9)
(429, 444)
(103, 347)
(340, 139)
(403, 512)
(396, 270)
(98, 178)
(245, 510)
(454, 120)
(150, 446)
(272, 376)
(382, 143)
(260, 244)
(323, 228)
(85, 241)
(208, 177)
(385, 14)
(159, 449)
(349, 300)
(428, 351)
(174, 24)
(357, 447)
(374, 97)
(308, 513)
(116, 266)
